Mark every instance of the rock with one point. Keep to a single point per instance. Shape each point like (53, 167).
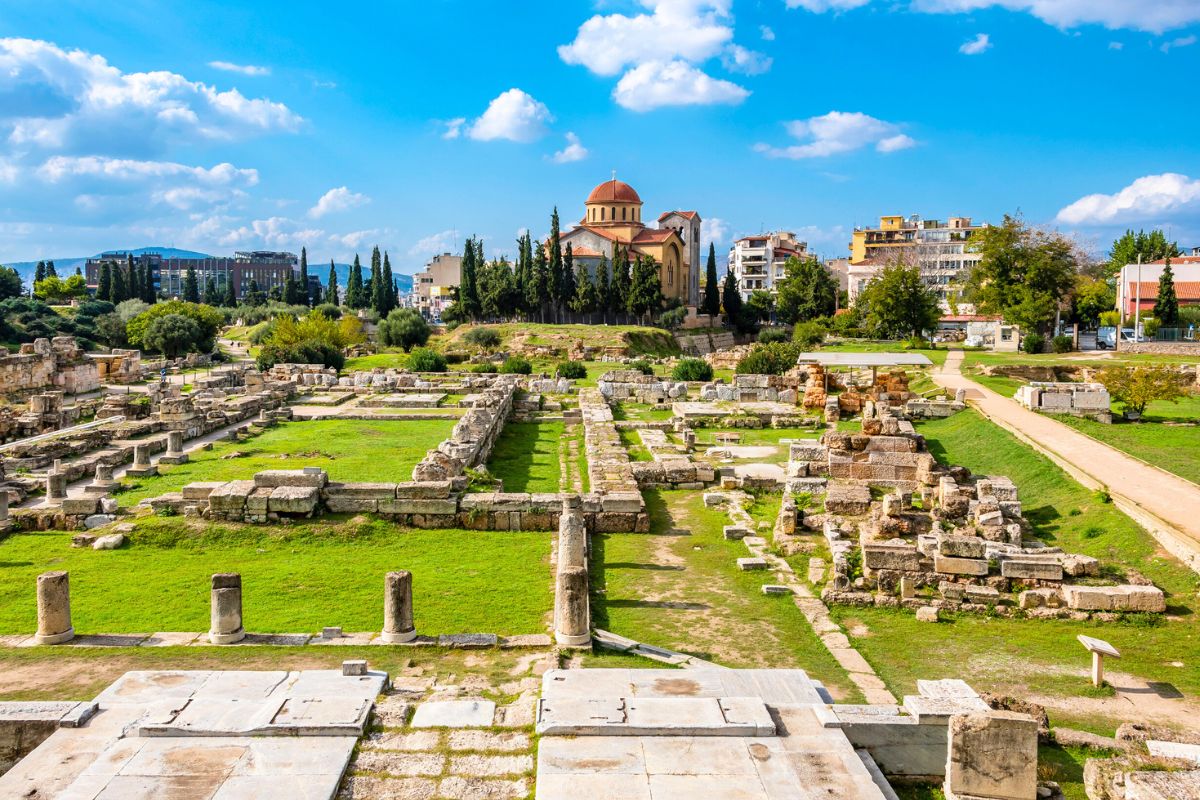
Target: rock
(83, 539)
(927, 614)
(109, 542)
(98, 520)
(992, 754)
(108, 505)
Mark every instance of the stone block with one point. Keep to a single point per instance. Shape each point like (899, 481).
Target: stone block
(992, 755)
(962, 546)
(293, 499)
(752, 564)
(1115, 598)
(1076, 565)
(1019, 569)
(258, 501)
(848, 499)
(80, 506)
(628, 502)
(984, 595)
(927, 614)
(199, 490)
(948, 565)
(1040, 598)
(423, 490)
(230, 498)
(903, 558)
(272, 478)
(406, 506)
(735, 532)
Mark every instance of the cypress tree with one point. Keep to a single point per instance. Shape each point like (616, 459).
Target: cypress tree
(146, 291)
(731, 299)
(290, 291)
(254, 295)
(79, 272)
(620, 280)
(557, 284)
(391, 299)
(645, 289)
(118, 285)
(331, 290)
(210, 292)
(104, 282)
(603, 292)
(305, 297)
(39, 272)
(568, 275)
(354, 285)
(378, 289)
(191, 287)
(50, 270)
(229, 300)
(1166, 307)
(712, 289)
(468, 286)
(538, 291)
(584, 300)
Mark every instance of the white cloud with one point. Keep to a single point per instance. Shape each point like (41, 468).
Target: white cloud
(713, 230)
(839, 132)
(1116, 45)
(574, 151)
(434, 244)
(1146, 198)
(274, 232)
(8, 171)
(676, 83)
(768, 35)
(335, 200)
(185, 198)
(1155, 16)
(75, 101)
(1182, 41)
(748, 62)
(973, 47)
(354, 238)
(454, 127)
(58, 168)
(692, 30)
(819, 6)
(513, 115)
(249, 70)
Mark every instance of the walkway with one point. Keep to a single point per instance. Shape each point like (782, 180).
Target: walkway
(1166, 505)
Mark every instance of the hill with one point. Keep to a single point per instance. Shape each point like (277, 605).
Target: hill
(533, 339)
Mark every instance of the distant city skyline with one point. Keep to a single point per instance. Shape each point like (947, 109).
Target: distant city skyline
(218, 127)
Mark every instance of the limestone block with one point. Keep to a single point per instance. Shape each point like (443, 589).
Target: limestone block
(1115, 598)
(200, 490)
(751, 564)
(1040, 598)
(257, 502)
(406, 506)
(848, 499)
(1077, 565)
(309, 476)
(110, 542)
(962, 546)
(954, 592)
(98, 520)
(985, 595)
(81, 506)
(1019, 569)
(293, 499)
(927, 614)
(948, 565)
(992, 755)
(808, 451)
(904, 558)
(618, 502)
(230, 498)
(423, 490)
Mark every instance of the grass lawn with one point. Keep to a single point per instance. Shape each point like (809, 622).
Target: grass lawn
(392, 359)
(633, 445)
(296, 578)
(526, 456)
(1040, 657)
(350, 450)
(1175, 448)
(679, 587)
(1097, 358)
(1000, 384)
(644, 412)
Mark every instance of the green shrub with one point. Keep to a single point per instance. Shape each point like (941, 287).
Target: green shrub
(1111, 319)
(672, 319)
(404, 327)
(769, 359)
(484, 338)
(769, 335)
(515, 365)
(1062, 344)
(208, 320)
(1033, 343)
(482, 369)
(808, 334)
(422, 359)
(692, 369)
(329, 310)
(170, 335)
(641, 365)
(571, 370)
(916, 343)
(311, 351)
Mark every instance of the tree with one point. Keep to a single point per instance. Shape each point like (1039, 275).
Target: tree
(118, 293)
(404, 327)
(468, 286)
(712, 290)
(10, 283)
(645, 289)
(354, 285)
(568, 276)
(378, 286)
(171, 334)
(620, 283)
(191, 288)
(305, 296)
(254, 296)
(391, 300)
(229, 298)
(807, 291)
(104, 282)
(731, 300)
(603, 291)
(291, 290)
(54, 290)
(585, 299)
(208, 321)
(210, 292)
(1024, 274)
(1090, 299)
(1166, 307)
(331, 288)
(1137, 387)
(147, 292)
(130, 284)
(39, 272)
(1150, 246)
(898, 304)
(111, 330)
(50, 270)
(537, 293)
(497, 289)
(557, 283)
(761, 304)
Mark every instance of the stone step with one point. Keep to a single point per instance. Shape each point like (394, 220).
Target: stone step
(654, 716)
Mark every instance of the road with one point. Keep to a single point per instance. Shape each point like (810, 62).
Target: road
(1166, 505)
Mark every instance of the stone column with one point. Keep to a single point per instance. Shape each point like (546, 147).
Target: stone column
(572, 628)
(54, 608)
(56, 488)
(398, 608)
(572, 534)
(226, 609)
(141, 456)
(3, 505)
(174, 454)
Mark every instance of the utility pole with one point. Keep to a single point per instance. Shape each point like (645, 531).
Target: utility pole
(1137, 313)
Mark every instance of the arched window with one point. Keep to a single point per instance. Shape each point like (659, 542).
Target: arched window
(602, 214)
(671, 276)
(614, 213)
(623, 210)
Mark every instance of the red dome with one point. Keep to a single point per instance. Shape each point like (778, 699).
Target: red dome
(614, 191)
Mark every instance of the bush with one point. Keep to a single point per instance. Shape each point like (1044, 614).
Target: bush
(485, 338)
(111, 330)
(1033, 343)
(404, 327)
(422, 359)
(572, 370)
(1138, 387)
(329, 310)
(769, 359)
(311, 351)
(1150, 327)
(515, 365)
(769, 335)
(692, 369)
(208, 320)
(171, 334)
(1062, 344)
(916, 343)
(808, 334)
(672, 319)
(481, 369)
(1110, 319)
(641, 365)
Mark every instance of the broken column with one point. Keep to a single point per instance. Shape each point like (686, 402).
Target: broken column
(992, 756)
(572, 628)
(54, 608)
(572, 534)
(226, 609)
(398, 608)
(174, 454)
(56, 487)
(3, 507)
(103, 483)
(142, 468)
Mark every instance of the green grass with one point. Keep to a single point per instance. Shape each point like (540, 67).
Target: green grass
(526, 456)
(1170, 447)
(1000, 384)
(679, 587)
(1088, 359)
(296, 578)
(350, 450)
(242, 333)
(1023, 656)
(393, 359)
(633, 445)
(640, 340)
(644, 412)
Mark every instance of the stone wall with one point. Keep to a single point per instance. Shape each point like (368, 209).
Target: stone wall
(1161, 348)
(57, 362)
(472, 439)
(118, 366)
(630, 384)
(1077, 399)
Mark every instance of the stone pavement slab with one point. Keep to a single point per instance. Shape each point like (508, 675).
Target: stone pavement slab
(454, 714)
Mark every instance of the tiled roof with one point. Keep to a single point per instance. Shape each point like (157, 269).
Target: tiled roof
(614, 191)
(686, 214)
(1184, 290)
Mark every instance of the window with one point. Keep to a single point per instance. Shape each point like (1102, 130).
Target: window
(623, 210)
(602, 215)
(670, 276)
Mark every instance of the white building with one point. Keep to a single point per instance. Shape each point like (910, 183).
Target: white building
(757, 262)
(433, 287)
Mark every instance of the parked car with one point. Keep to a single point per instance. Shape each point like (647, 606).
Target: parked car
(1106, 338)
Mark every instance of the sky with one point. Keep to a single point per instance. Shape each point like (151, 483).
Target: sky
(218, 126)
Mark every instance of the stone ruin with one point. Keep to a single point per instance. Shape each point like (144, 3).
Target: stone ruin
(963, 546)
(888, 388)
(754, 388)
(119, 366)
(1089, 400)
(59, 363)
(630, 384)
(474, 435)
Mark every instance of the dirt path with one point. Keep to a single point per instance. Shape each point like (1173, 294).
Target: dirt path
(1168, 506)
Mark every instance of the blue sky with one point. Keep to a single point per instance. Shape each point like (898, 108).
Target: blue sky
(222, 126)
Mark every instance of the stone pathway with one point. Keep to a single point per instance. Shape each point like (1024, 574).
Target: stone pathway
(1166, 505)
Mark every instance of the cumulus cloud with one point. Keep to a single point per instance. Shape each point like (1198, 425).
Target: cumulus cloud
(271, 233)
(1155, 16)
(838, 132)
(335, 200)
(250, 70)
(1182, 41)
(768, 35)
(72, 101)
(1149, 197)
(58, 168)
(574, 151)
(675, 83)
(453, 127)
(820, 6)
(748, 62)
(714, 230)
(441, 242)
(973, 47)
(514, 115)
(354, 238)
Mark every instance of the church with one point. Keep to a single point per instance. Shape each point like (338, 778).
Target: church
(612, 218)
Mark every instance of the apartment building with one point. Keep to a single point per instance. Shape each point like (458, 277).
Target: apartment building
(938, 248)
(266, 268)
(433, 287)
(757, 262)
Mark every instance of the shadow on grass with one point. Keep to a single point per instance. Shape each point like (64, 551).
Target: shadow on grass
(635, 565)
(673, 605)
